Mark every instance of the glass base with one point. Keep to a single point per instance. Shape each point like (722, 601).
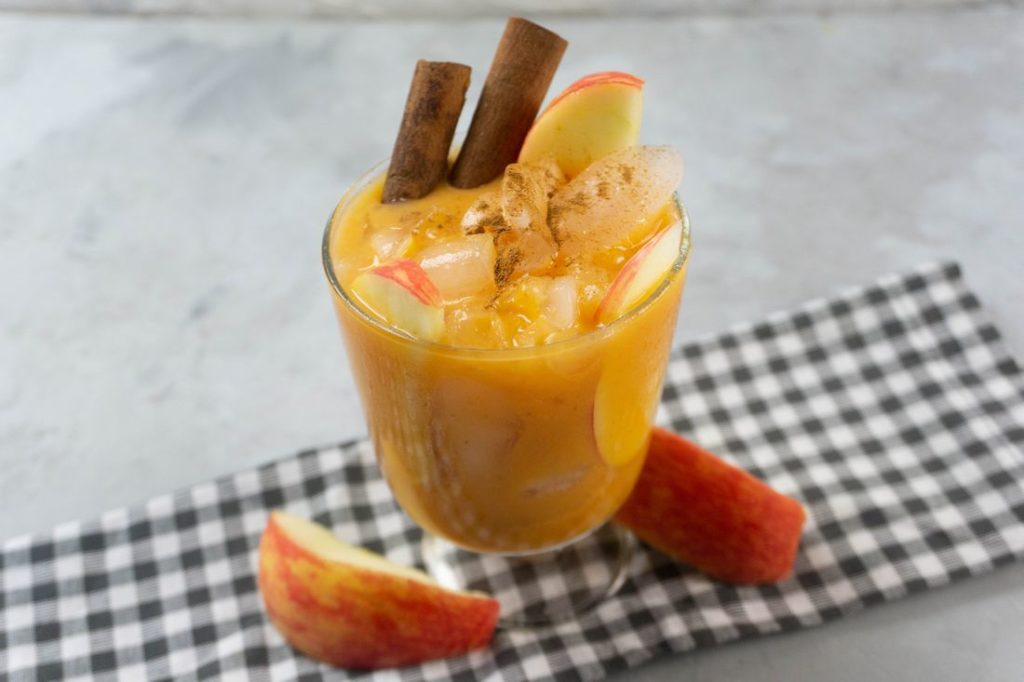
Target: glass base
(545, 588)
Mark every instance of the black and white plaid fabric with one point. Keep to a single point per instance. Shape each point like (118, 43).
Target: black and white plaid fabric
(893, 412)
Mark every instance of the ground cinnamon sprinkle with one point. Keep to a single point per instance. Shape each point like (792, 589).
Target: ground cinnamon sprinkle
(495, 224)
(554, 216)
(505, 265)
(626, 172)
(580, 201)
(556, 213)
(517, 183)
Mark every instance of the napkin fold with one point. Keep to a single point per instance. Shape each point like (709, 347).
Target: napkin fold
(892, 411)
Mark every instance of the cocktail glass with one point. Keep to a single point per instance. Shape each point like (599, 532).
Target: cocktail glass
(513, 460)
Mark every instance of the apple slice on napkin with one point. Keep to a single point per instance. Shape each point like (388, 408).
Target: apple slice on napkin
(703, 511)
(352, 608)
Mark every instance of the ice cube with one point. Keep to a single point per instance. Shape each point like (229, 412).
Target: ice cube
(551, 176)
(525, 245)
(613, 200)
(475, 427)
(484, 214)
(524, 200)
(525, 191)
(558, 483)
(517, 218)
(437, 225)
(392, 242)
(538, 309)
(521, 252)
(561, 307)
(592, 282)
(461, 267)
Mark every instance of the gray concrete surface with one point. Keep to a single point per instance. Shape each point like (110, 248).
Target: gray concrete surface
(164, 183)
(405, 9)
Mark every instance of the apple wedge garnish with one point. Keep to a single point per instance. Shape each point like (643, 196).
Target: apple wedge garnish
(355, 609)
(622, 426)
(402, 293)
(641, 273)
(595, 116)
(703, 511)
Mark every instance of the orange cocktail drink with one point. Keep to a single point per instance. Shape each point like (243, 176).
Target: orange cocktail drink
(509, 404)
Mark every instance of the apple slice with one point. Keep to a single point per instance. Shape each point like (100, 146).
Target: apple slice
(352, 608)
(703, 511)
(595, 116)
(402, 293)
(622, 426)
(641, 273)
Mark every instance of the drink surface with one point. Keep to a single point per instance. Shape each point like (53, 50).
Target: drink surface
(527, 260)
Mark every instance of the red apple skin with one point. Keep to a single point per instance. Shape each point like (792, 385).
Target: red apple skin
(703, 511)
(602, 77)
(408, 274)
(354, 617)
(403, 294)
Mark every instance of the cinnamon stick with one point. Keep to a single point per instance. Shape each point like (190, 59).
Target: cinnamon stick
(520, 74)
(420, 157)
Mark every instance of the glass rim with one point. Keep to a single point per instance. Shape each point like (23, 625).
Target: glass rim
(400, 335)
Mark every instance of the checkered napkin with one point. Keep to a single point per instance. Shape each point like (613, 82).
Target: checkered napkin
(893, 412)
